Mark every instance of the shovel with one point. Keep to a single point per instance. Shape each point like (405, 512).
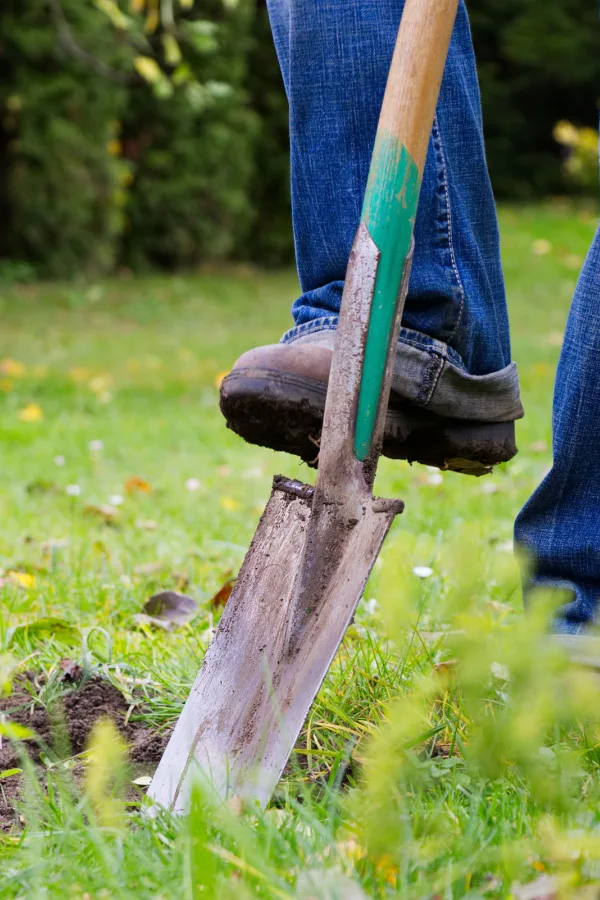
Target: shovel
(313, 551)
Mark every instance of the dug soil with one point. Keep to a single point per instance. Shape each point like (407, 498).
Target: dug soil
(63, 728)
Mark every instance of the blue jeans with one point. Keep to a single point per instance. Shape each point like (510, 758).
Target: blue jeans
(560, 525)
(454, 349)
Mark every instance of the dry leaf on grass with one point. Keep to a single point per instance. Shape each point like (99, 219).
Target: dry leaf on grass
(148, 568)
(41, 486)
(31, 413)
(20, 579)
(103, 510)
(223, 594)
(136, 485)
(12, 367)
(544, 888)
(169, 609)
(146, 524)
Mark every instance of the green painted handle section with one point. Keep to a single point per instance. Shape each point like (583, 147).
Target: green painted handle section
(389, 212)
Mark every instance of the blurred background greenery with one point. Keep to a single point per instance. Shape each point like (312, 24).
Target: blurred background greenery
(143, 134)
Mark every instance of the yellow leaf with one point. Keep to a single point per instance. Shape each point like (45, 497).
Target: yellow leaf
(171, 50)
(541, 247)
(136, 6)
(79, 373)
(113, 147)
(31, 413)
(151, 23)
(100, 383)
(12, 367)
(22, 579)
(387, 869)
(135, 485)
(148, 68)
(229, 504)
(219, 378)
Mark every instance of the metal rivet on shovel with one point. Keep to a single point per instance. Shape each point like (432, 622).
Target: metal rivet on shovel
(313, 551)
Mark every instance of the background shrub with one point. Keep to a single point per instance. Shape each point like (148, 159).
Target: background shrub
(98, 171)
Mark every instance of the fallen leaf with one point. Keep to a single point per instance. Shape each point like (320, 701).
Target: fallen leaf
(15, 732)
(146, 524)
(573, 261)
(489, 487)
(236, 805)
(31, 413)
(544, 888)
(53, 544)
(445, 667)
(12, 367)
(327, 883)
(8, 773)
(71, 670)
(229, 504)
(100, 383)
(41, 486)
(143, 781)
(47, 628)
(103, 510)
(79, 374)
(223, 594)
(542, 369)
(135, 485)
(145, 621)
(171, 607)
(555, 338)
(538, 447)
(541, 247)
(148, 568)
(21, 579)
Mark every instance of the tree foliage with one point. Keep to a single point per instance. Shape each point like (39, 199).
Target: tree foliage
(154, 132)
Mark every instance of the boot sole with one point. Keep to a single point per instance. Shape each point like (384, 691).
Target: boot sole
(284, 412)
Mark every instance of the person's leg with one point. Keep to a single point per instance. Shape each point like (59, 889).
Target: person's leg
(560, 525)
(453, 356)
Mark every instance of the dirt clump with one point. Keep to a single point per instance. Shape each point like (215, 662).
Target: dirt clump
(63, 724)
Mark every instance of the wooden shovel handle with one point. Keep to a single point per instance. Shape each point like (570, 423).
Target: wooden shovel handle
(394, 183)
(415, 75)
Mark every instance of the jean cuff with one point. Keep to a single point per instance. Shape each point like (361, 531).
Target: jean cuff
(431, 375)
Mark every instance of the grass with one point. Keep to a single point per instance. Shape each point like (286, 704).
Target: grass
(439, 759)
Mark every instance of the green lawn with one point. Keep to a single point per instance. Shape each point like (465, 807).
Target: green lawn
(486, 771)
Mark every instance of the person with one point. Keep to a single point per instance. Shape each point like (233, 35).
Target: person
(455, 391)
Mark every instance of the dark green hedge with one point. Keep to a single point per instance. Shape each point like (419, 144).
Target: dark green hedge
(95, 173)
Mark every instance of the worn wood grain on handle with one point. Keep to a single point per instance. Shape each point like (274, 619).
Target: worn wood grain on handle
(416, 74)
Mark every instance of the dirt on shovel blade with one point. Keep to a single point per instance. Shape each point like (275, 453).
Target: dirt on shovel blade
(65, 727)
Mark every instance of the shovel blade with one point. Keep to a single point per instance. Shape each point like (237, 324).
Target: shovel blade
(254, 690)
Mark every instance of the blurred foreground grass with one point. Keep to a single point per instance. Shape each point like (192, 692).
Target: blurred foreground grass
(119, 479)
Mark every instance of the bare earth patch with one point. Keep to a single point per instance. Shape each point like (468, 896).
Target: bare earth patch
(64, 726)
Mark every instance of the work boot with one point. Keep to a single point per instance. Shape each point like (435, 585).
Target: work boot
(275, 397)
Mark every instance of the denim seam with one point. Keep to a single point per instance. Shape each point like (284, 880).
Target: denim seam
(436, 371)
(437, 140)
